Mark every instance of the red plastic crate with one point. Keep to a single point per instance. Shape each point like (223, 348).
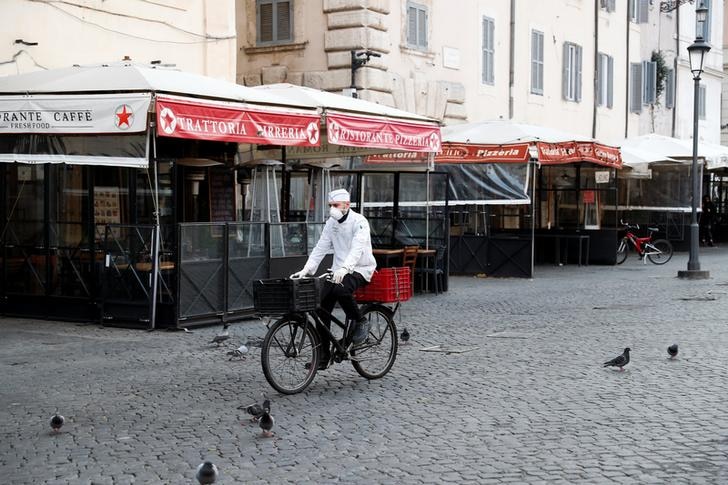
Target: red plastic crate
(388, 285)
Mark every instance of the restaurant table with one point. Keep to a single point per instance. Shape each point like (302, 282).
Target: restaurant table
(386, 256)
(581, 240)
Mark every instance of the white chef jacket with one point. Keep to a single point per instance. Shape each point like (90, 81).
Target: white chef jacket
(352, 245)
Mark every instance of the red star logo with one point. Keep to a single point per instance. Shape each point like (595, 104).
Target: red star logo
(123, 117)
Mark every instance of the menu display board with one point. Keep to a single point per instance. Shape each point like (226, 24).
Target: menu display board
(222, 195)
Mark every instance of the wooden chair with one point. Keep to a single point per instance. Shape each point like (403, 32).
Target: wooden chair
(409, 259)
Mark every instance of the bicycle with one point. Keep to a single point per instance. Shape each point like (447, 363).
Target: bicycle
(292, 345)
(658, 251)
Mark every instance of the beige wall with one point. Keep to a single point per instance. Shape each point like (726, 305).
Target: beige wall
(445, 80)
(196, 35)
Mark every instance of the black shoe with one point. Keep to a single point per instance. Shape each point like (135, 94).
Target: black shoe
(324, 360)
(361, 333)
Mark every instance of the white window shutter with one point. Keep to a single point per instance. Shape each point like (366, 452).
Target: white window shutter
(610, 82)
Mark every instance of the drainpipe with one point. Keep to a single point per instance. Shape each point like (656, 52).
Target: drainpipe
(511, 59)
(626, 83)
(674, 70)
(596, 67)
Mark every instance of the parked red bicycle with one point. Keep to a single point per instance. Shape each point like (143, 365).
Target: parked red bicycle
(658, 251)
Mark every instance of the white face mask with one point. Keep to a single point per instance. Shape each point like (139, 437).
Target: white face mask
(336, 213)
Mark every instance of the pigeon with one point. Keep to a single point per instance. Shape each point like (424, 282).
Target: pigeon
(266, 420)
(222, 336)
(672, 351)
(619, 361)
(405, 336)
(206, 473)
(57, 422)
(239, 352)
(255, 410)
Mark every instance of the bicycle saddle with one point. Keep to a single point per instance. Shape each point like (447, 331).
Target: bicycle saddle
(653, 229)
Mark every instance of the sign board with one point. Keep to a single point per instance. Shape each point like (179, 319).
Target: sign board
(601, 177)
(588, 196)
(234, 122)
(73, 114)
(451, 57)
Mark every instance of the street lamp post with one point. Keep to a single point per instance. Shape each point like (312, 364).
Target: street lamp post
(696, 54)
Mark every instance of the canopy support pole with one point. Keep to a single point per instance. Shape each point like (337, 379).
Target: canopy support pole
(155, 232)
(534, 167)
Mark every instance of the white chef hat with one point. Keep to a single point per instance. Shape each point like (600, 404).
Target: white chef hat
(338, 195)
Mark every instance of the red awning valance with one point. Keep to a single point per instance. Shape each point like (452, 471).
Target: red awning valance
(238, 123)
(548, 154)
(383, 133)
(570, 152)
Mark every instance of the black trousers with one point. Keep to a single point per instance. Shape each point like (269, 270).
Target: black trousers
(343, 294)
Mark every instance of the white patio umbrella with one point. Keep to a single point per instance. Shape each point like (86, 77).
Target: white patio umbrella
(638, 161)
(121, 77)
(502, 132)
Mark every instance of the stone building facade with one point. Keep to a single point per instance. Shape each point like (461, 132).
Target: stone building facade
(563, 63)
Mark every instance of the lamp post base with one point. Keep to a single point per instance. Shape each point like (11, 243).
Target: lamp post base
(693, 274)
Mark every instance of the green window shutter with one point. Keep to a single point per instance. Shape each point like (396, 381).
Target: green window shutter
(610, 82)
(412, 26)
(577, 78)
(422, 28)
(644, 11)
(565, 72)
(600, 80)
(265, 22)
(283, 21)
(636, 88)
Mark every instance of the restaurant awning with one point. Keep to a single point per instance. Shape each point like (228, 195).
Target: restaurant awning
(98, 114)
(352, 127)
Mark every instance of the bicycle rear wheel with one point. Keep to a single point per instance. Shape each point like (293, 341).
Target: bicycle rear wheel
(622, 250)
(288, 346)
(659, 251)
(376, 357)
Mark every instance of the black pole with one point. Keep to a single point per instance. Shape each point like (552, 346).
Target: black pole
(693, 272)
(694, 260)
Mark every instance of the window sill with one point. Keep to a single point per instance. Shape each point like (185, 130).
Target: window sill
(417, 52)
(267, 49)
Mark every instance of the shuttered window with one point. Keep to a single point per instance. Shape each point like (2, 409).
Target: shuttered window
(635, 77)
(275, 22)
(605, 81)
(639, 11)
(571, 75)
(416, 26)
(706, 27)
(702, 93)
(608, 5)
(488, 51)
(649, 82)
(536, 62)
(670, 89)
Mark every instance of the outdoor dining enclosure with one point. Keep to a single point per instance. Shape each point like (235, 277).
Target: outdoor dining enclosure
(144, 219)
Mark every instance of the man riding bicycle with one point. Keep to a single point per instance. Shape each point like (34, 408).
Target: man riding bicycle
(347, 233)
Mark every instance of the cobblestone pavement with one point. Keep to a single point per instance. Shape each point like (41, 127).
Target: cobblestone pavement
(532, 404)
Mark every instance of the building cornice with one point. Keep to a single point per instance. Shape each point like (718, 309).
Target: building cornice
(268, 49)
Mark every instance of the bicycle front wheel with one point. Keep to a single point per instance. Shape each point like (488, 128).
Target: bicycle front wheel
(290, 354)
(376, 357)
(622, 250)
(659, 251)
